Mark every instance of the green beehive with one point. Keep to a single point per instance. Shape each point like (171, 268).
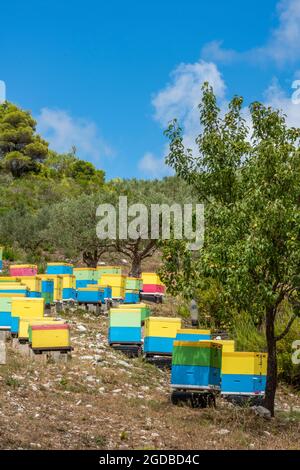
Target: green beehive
(122, 318)
(133, 283)
(198, 353)
(85, 274)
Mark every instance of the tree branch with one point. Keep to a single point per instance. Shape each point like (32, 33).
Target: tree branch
(287, 328)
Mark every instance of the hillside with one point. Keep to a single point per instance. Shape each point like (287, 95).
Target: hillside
(103, 400)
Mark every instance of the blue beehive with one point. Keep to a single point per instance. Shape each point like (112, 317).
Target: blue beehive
(159, 345)
(59, 268)
(196, 365)
(80, 283)
(244, 373)
(15, 321)
(186, 334)
(131, 298)
(130, 334)
(5, 320)
(69, 293)
(90, 295)
(36, 295)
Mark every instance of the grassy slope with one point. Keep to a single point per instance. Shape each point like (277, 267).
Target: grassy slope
(101, 399)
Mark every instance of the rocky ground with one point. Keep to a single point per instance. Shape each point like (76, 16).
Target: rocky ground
(101, 399)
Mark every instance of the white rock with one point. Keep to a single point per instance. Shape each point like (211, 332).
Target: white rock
(262, 411)
(222, 432)
(81, 328)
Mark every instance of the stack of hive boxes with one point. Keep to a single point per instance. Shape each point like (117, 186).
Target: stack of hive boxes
(116, 282)
(33, 283)
(125, 326)
(196, 365)
(41, 332)
(159, 335)
(7, 322)
(133, 286)
(52, 287)
(152, 284)
(87, 288)
(243, 373)
(65, 270)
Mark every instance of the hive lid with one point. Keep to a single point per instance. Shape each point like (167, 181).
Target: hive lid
(59, 264)
(197, 344)
(51, 326)
(164, 319)
(194, 331)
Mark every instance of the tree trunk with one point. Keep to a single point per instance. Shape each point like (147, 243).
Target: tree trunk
(136, 266)
(90, 258)
(272, 361)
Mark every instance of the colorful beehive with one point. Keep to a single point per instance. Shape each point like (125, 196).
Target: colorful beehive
(144, 309)
(133, 283)
(23, 333)
(152, 284)
(34, 283)
(91, 295)
(243, 373)
(58, 284)
(23, 270)
(59, 268)
(116, 282)
(196, 365)
(5, 312)
(48, 291)
(85, 276)
(132, 296)
(13, 288)
(27, 308)
(159, 334)
(69, 287)
(108, 270)
(49, 336)
(227, 344)
(124, 327)
(186, 334)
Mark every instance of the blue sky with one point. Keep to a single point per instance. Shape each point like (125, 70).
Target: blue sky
(107, 76)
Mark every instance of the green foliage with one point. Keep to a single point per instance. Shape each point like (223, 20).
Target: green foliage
(21, 149)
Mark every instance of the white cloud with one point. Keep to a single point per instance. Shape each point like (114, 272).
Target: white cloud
(180, 98)
(153, 166)
(281, 47)
(277, 98)
(63, 131)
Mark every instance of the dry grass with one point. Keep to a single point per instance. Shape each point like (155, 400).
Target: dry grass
(101, 399)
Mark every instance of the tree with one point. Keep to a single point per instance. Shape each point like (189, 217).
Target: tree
(166, 191)
(21, 149)
(250, 184)
(72, 229)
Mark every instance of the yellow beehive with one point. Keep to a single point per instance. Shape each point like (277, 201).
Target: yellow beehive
(51, 336)
(117, 292)
(34, 283)
(23, 327)
(27, 308)
(57, 282)
(162, 326)
(244, 363)
(151, 278)
(68, 281)
(113, 280)
(227, 344)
